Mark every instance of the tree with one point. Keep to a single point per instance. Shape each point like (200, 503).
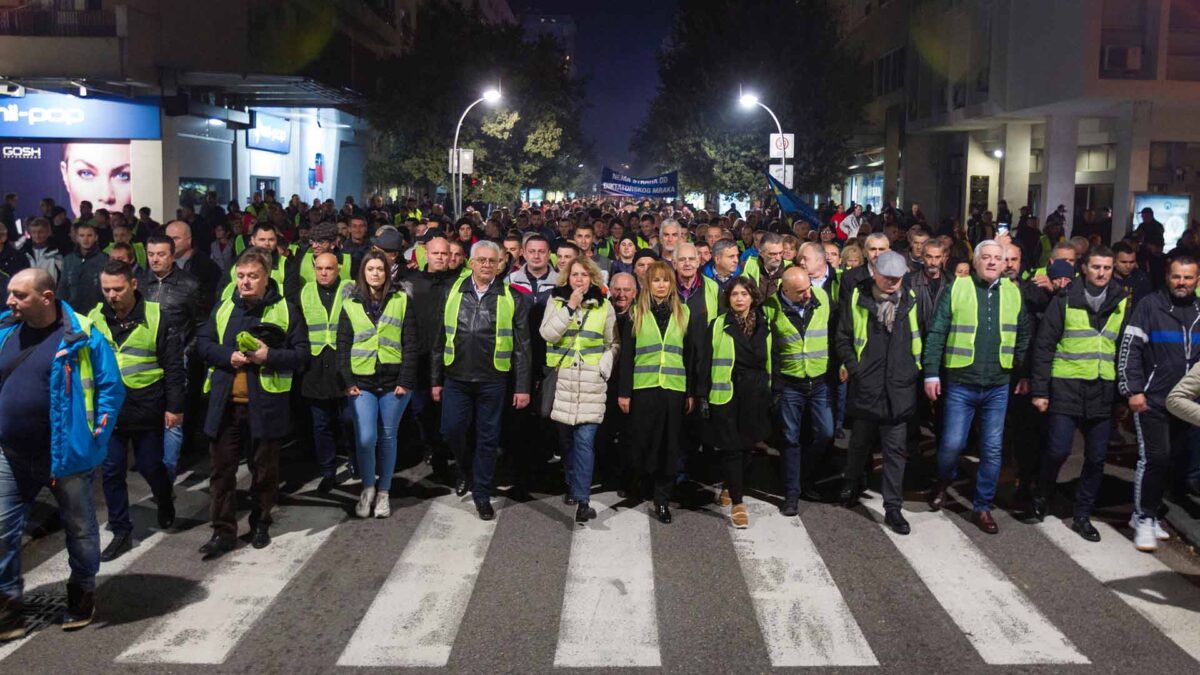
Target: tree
(532, 138)
(788, 53)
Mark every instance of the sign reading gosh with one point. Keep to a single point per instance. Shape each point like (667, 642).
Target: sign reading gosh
(271, 134)
(48, 115)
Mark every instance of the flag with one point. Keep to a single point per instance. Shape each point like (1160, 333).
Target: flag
(790, 202)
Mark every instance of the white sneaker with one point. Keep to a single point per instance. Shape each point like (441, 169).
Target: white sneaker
(1144, 538)
(382, 508)
(1159, 532)
(363, 508)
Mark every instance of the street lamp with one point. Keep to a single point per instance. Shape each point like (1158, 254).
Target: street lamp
(489, 96)
(749, 101)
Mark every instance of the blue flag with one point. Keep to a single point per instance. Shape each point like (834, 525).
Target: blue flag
(790, 202)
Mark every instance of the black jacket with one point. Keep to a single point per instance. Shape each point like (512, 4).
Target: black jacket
(270, 414)
(475, 339)
(801, 324)
(79, 284)
(321, 380)
(884, 383)
(850, 279)
(387, 376)
(428, 291)
(1078, 398)
(179, 295)
(927, 294)
(1161, 343)
(143, 408)
(12, 260)
(207, 274)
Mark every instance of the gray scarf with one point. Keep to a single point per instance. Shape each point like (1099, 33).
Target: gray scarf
(885, 307)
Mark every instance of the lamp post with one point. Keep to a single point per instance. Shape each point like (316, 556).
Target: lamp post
(749, 101)
(491, 96)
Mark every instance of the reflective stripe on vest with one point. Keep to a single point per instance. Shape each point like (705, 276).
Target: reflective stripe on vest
(964, 322)
(583, 339)
(276, 274)
(322, 325)
(805, 355)
(380, 343)
(272, 381)
(1084, 353)
(309, 274)
(724, 355)
(860, 320)
(505, 308)
(658, 358)
(137, 357)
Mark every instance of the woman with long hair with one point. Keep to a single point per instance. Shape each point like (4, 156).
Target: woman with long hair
(377, 359)
(658, 381)
(579, 327)
(735, 378)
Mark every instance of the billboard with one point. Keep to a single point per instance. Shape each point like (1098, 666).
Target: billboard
(270, 133)
(69, 172)
(47, 115)
(1170, 210)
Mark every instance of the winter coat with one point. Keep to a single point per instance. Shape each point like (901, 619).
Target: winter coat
(178, 296)
(1181, 402)
(885, 381)
(48, 257)
(79, 284)
(475, 339)
(582, 390)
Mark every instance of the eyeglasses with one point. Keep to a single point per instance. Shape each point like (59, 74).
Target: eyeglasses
(487, 262)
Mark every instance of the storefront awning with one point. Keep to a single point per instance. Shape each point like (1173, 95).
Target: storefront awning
(270, 90)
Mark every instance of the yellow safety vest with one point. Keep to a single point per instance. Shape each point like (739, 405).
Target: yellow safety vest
(964, 322)
(322, 325)
(309, 274)
(658, 358)
(377, 344)
(505, 309)
(584, 339)
(860, 320)
(271, 381)
(801, 356)
(724, 357)
(1084, 353)
(137, 357)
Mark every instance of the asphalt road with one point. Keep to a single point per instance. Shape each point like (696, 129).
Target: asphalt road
(433, 588)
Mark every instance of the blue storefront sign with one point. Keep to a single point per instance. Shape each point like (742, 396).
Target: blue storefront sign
(271, 134)
(47, 115)
(664, 186)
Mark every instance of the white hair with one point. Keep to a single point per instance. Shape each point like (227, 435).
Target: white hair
(981, 245)
(486, 244)
(669, 222)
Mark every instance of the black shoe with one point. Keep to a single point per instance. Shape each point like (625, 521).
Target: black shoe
(486, 512)
(166, 512)
(584, 513)
(121, 544)
(569, 500)
(12, 619)
(848, 497)
(81, 607)
(262, 536)
(895, 520)
(663, 513)
(326, 485)
(216, 547)
(810, 493)
(460, 486)
(255, 516)
(1037, 510)
(1084, 528)
(791, 507)
(839, 434)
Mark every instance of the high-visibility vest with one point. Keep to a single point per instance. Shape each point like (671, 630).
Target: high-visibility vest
(239, 244)
(139, 252)
(1047, 246)
(583, 340)
(277, 274)
(724, 357)
(1084, 353)
(605, 247)
(752, 269)
(137, 357)
(964, 322)
(322, 325)
(658, 358)
(380, 343)
(712, 292)
(272, 381)
(506, 307)
(309, 274)
(807, 355)
(860, 318)
(423, 257)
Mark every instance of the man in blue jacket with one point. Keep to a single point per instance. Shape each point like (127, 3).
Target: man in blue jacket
(60, 392)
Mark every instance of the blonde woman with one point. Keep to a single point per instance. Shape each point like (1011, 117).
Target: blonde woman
(657, 379)
(581, 345)
(852, 256)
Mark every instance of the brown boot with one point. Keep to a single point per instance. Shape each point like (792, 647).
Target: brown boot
(985, 522)
(739, 517)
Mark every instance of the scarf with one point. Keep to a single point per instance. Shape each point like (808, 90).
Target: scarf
(885, 307)
(747, 324)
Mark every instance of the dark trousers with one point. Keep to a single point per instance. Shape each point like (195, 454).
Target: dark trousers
(326, 428)
(1164, 445)
(892, 437)
(1027, 437)
(148, 457)
(226, 452)
(483, 403)
(1061, 430)
(733, 468)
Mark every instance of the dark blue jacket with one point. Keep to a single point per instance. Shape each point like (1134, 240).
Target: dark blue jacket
(1161, 343)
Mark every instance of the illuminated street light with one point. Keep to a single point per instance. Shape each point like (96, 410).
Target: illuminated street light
(490, 96)
(749, 101)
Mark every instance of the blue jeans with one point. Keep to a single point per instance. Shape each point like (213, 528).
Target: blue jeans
(148, 457)
(581, 459)
(327, 426)
(172, 446)
(962, 401)
(839, 415)
(77, 509)
(376, 419)
(795, 402)
(483, 402)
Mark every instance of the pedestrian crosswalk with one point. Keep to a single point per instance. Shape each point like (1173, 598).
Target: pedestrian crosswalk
(611, 610)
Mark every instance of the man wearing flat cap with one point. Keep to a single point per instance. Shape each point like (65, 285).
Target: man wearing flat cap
(301, 270)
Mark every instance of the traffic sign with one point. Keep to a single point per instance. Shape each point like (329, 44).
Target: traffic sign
(466, 158)
(783, 146)
(783, 174)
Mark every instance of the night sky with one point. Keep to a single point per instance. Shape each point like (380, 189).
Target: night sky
(616, 46)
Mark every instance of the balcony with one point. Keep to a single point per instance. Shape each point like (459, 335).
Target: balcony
(57, 23)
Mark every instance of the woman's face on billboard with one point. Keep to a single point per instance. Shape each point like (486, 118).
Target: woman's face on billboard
(97, 172)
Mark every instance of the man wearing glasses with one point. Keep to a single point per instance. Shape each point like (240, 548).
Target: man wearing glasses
(483, 344)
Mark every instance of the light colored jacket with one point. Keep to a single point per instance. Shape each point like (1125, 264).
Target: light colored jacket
(1181, 401)
(582, 390)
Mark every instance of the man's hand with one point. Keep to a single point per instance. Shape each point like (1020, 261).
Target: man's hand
(520, 401)
(933, 389)
(623, 404)
(352, 391)
(238, 360)
(689, 404)
(436, 394)
(1043, 282)
(843, 374)
(1042, 404)
(401, 391)
(1137, 403)
(172, 420)
(1022, 387)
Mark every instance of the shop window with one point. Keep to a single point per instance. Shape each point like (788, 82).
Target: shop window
(192, 191)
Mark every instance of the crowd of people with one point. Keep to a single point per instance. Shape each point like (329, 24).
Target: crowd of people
(651, 346)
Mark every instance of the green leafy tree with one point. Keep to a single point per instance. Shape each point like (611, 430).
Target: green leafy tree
(788, 53)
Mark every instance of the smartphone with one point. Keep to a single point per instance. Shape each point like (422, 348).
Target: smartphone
(1002, 229)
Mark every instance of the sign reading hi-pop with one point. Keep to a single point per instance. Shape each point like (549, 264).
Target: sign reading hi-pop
(48, 115)
(272, 134)
(663, 186)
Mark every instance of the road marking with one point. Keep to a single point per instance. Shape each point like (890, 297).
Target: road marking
(416, 614)
(1142, 581)
(999, 621)
(207, 625)
(609, 614)
(803, 617)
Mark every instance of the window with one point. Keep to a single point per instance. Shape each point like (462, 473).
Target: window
(889, 72)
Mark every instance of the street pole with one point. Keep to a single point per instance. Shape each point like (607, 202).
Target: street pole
(455, 165)
(779, 128)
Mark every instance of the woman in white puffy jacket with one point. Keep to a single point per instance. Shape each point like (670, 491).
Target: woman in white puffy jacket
(581, 344)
